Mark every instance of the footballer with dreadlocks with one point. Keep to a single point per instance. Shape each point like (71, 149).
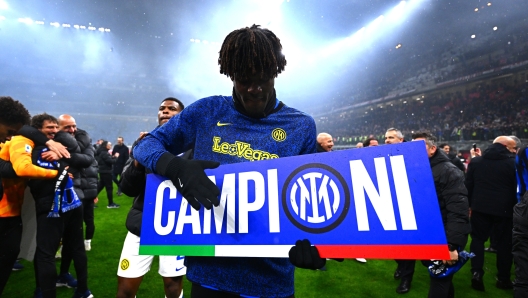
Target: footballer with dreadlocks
(252, 58)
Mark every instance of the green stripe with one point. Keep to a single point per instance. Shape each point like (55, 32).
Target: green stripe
(183, 250)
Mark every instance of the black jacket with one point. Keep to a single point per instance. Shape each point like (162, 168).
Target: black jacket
(457, 162)
(520, 217)
(133, 183)
(452, 198)
(492, 183)
(104, 160)
(122, 159)
(89, 175)
(43, 190)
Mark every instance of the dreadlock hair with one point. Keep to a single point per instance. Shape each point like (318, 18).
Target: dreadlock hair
(250, 51)
(13, 112)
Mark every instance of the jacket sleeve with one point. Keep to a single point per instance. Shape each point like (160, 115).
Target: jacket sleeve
(454, 194)
(20, 155)
(107, 159)
(469, 182)
(80, 160)
(6, 169)
(132, 179)
(33, 134)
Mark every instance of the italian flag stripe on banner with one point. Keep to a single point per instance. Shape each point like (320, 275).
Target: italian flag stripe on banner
(281, 251)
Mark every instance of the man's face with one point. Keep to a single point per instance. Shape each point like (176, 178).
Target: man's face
(68, 125)
(327, 143)
(391, 137)
(108, 145)
(254, 93)
(373, 143)
(446, 149)
(431, 150)
(119, 141)
(8, 131)
(512, 147)
(167, 110)
(49, 128)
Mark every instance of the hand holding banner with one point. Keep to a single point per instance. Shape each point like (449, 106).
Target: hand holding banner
(377, 202)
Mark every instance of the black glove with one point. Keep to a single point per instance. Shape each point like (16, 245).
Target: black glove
(189, 178)
(304, 255)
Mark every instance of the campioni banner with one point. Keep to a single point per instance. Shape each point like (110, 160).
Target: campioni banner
(377, 202)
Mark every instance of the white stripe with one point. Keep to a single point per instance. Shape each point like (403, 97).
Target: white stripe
(270, 251)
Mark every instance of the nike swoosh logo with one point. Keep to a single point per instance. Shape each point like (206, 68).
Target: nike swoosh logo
(181, 185)
(222, 124)
(178, 269)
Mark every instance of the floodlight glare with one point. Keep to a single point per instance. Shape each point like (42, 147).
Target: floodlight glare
(476, 9)
(83, 27)
(3, 5)
(489, 3)
(76, 26)
(495, 28)
(473, 36)
(39, 22)
(91, 28)
(66, 25)
(107, 30)
(26, 21)
(55, 24)
(101, 29)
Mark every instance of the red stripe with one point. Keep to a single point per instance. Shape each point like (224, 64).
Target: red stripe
(411, 252)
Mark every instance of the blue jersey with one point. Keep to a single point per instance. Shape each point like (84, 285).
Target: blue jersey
(218, 132)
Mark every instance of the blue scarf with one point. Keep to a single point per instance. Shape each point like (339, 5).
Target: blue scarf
(65, 198)
(438, 269)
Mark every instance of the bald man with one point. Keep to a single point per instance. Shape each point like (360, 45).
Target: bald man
(324, 142)
(86, 188)
(491, 183)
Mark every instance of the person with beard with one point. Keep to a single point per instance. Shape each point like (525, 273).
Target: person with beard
(58, 209)
(252, 58)
(452, 199)
(491, 183)
(453, 157)
(132, 266)
(121, 153)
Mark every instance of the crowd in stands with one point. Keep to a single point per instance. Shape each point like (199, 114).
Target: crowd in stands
(480, 113)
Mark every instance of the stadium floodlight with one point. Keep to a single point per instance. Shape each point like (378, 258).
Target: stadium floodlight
(101, 29)
(76, 26)
(92, 28)
(489, 3)
(66, 25)
(55, 24)
(476, 9)
(495, 28)
(39, 22)
(82, 27)
(26, 21)
(107, 30)
(473, 36)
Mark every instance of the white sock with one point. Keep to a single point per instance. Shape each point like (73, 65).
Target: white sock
(88, 240)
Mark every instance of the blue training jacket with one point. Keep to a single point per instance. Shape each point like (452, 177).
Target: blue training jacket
(218, 132)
